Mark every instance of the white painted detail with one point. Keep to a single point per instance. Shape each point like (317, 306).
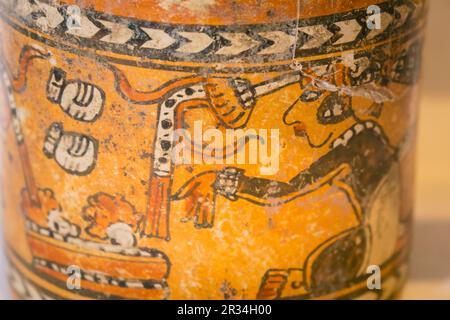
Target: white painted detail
(198, 42)
(74, 152)
(350, 29)
(122, 234)
(386, 20)
(162, 164)
(87, 30)
(320, 70)
(82, 101)
(23, 8)
(159, 39)
(240, 42)
(319, 33)
(52, 17)
(120, 33)
(282, 42)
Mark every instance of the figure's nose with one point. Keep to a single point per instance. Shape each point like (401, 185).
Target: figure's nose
(292, 116)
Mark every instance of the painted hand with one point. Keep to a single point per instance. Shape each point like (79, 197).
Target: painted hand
(200, 199)
(201, 191)
(227, 182)
(231, 99)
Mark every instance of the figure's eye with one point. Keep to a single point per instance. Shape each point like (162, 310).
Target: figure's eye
(310, 95)
(334, 109)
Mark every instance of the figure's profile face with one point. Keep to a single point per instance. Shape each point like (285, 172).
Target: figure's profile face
(320, 121)
(326, 108)
(319, 114)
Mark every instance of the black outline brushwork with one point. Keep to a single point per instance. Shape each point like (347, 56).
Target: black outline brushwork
(66, 41)
(356, 164)
(82, 292)
(77, 135)
(332, 168)
(80, 97)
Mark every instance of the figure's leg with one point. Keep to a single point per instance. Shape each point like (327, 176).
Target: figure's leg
(349, 193)
(360, 214)
(337, 262)
(332, 266)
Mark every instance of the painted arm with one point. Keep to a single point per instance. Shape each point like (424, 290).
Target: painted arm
(201, 191)
(266, 192)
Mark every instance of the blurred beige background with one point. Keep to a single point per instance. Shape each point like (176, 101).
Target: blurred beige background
(430, 268)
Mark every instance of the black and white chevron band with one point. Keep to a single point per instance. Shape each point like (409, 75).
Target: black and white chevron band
(216, 44)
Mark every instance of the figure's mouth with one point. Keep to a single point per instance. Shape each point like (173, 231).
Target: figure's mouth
(354, 131)
(301, 132)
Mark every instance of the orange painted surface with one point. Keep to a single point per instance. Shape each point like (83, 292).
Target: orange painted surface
(95, 118)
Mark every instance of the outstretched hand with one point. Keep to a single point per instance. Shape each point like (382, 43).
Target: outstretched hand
(200, 198)
(201, 191)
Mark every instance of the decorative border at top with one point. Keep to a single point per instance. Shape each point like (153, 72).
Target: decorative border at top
(257, 43)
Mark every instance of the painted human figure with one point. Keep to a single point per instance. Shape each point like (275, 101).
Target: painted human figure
(360, 161)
